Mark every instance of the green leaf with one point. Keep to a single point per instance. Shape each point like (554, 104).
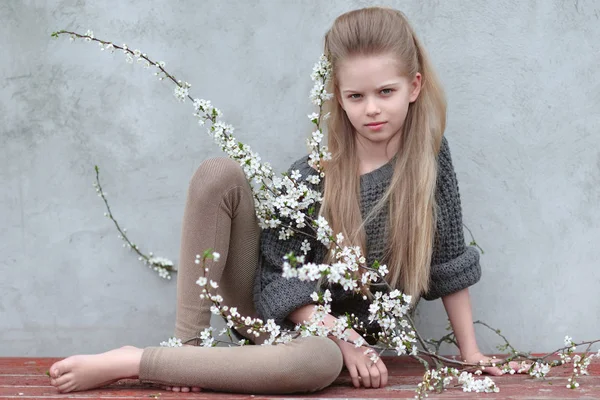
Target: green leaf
(291, 257)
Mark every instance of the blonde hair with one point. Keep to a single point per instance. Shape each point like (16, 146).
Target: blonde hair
(411, 194)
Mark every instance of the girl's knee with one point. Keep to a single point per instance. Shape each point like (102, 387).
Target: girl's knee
(320, 364)
(218, 174)
(330, 369)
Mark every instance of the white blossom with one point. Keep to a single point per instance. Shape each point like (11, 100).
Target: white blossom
(305, 248)
(202, 281)
(313, 116)
(206, 337)
(323, 230)
(181, 91)
(470, 384)
(568, 340)
(539, 370)
(172, 342)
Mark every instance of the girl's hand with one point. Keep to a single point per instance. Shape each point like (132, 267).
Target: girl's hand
(361, 368)
(495, 371)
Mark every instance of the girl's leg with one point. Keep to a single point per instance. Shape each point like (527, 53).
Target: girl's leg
(220, 199)
(219, 214)
(302, 365)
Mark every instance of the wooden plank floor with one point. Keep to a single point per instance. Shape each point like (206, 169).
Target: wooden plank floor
(24, 378)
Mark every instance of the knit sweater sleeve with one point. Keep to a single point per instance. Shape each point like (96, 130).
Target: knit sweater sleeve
(454, 265)
(275, 296)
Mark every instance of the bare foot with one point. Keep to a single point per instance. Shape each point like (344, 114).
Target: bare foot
(83, 372)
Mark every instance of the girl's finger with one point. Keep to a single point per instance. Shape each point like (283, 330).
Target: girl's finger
(354, 375)
(494, 371)
(365, 376)
(383, 373)
(375, 376)
(522, 367)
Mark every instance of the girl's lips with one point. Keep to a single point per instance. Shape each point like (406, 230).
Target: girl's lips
(376, 123)
(376, 127)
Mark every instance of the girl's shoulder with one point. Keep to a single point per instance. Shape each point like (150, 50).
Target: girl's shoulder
(301, 165)
(444, 153)
(307, 174)
(445, 167)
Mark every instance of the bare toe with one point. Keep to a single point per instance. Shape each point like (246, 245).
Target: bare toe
(66, 378)
(55, 369)
(67, 387)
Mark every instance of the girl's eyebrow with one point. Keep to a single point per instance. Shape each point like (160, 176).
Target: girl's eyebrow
(378, 88)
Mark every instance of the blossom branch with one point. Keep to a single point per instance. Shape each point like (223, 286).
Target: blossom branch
(288, 197)
(163, 266)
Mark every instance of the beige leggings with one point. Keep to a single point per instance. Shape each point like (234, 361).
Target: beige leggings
(219, 214)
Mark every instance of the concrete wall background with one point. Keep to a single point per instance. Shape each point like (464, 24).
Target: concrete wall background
(522, 80)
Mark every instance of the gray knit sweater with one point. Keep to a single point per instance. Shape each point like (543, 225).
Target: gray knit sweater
(455, 266)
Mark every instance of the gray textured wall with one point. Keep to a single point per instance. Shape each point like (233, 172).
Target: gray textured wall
(523, 86)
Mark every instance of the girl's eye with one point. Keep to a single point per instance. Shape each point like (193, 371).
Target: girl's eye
(356, 96)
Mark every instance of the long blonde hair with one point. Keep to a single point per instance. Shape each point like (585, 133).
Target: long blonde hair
(411, 194)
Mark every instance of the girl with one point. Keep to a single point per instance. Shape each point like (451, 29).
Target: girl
(390, 187)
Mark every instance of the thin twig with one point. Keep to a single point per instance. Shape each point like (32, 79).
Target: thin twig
(473, 242)
(122, 231)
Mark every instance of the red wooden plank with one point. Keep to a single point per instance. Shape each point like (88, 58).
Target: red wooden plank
(25, 378)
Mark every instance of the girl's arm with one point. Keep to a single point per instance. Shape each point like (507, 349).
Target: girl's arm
(304, 313)
(458, 308)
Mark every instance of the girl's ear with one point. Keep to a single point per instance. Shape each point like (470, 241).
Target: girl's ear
(415, 87)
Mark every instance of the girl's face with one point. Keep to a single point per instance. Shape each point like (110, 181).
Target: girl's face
(376, 97)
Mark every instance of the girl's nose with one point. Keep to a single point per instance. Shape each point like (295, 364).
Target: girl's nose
(372, 108)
